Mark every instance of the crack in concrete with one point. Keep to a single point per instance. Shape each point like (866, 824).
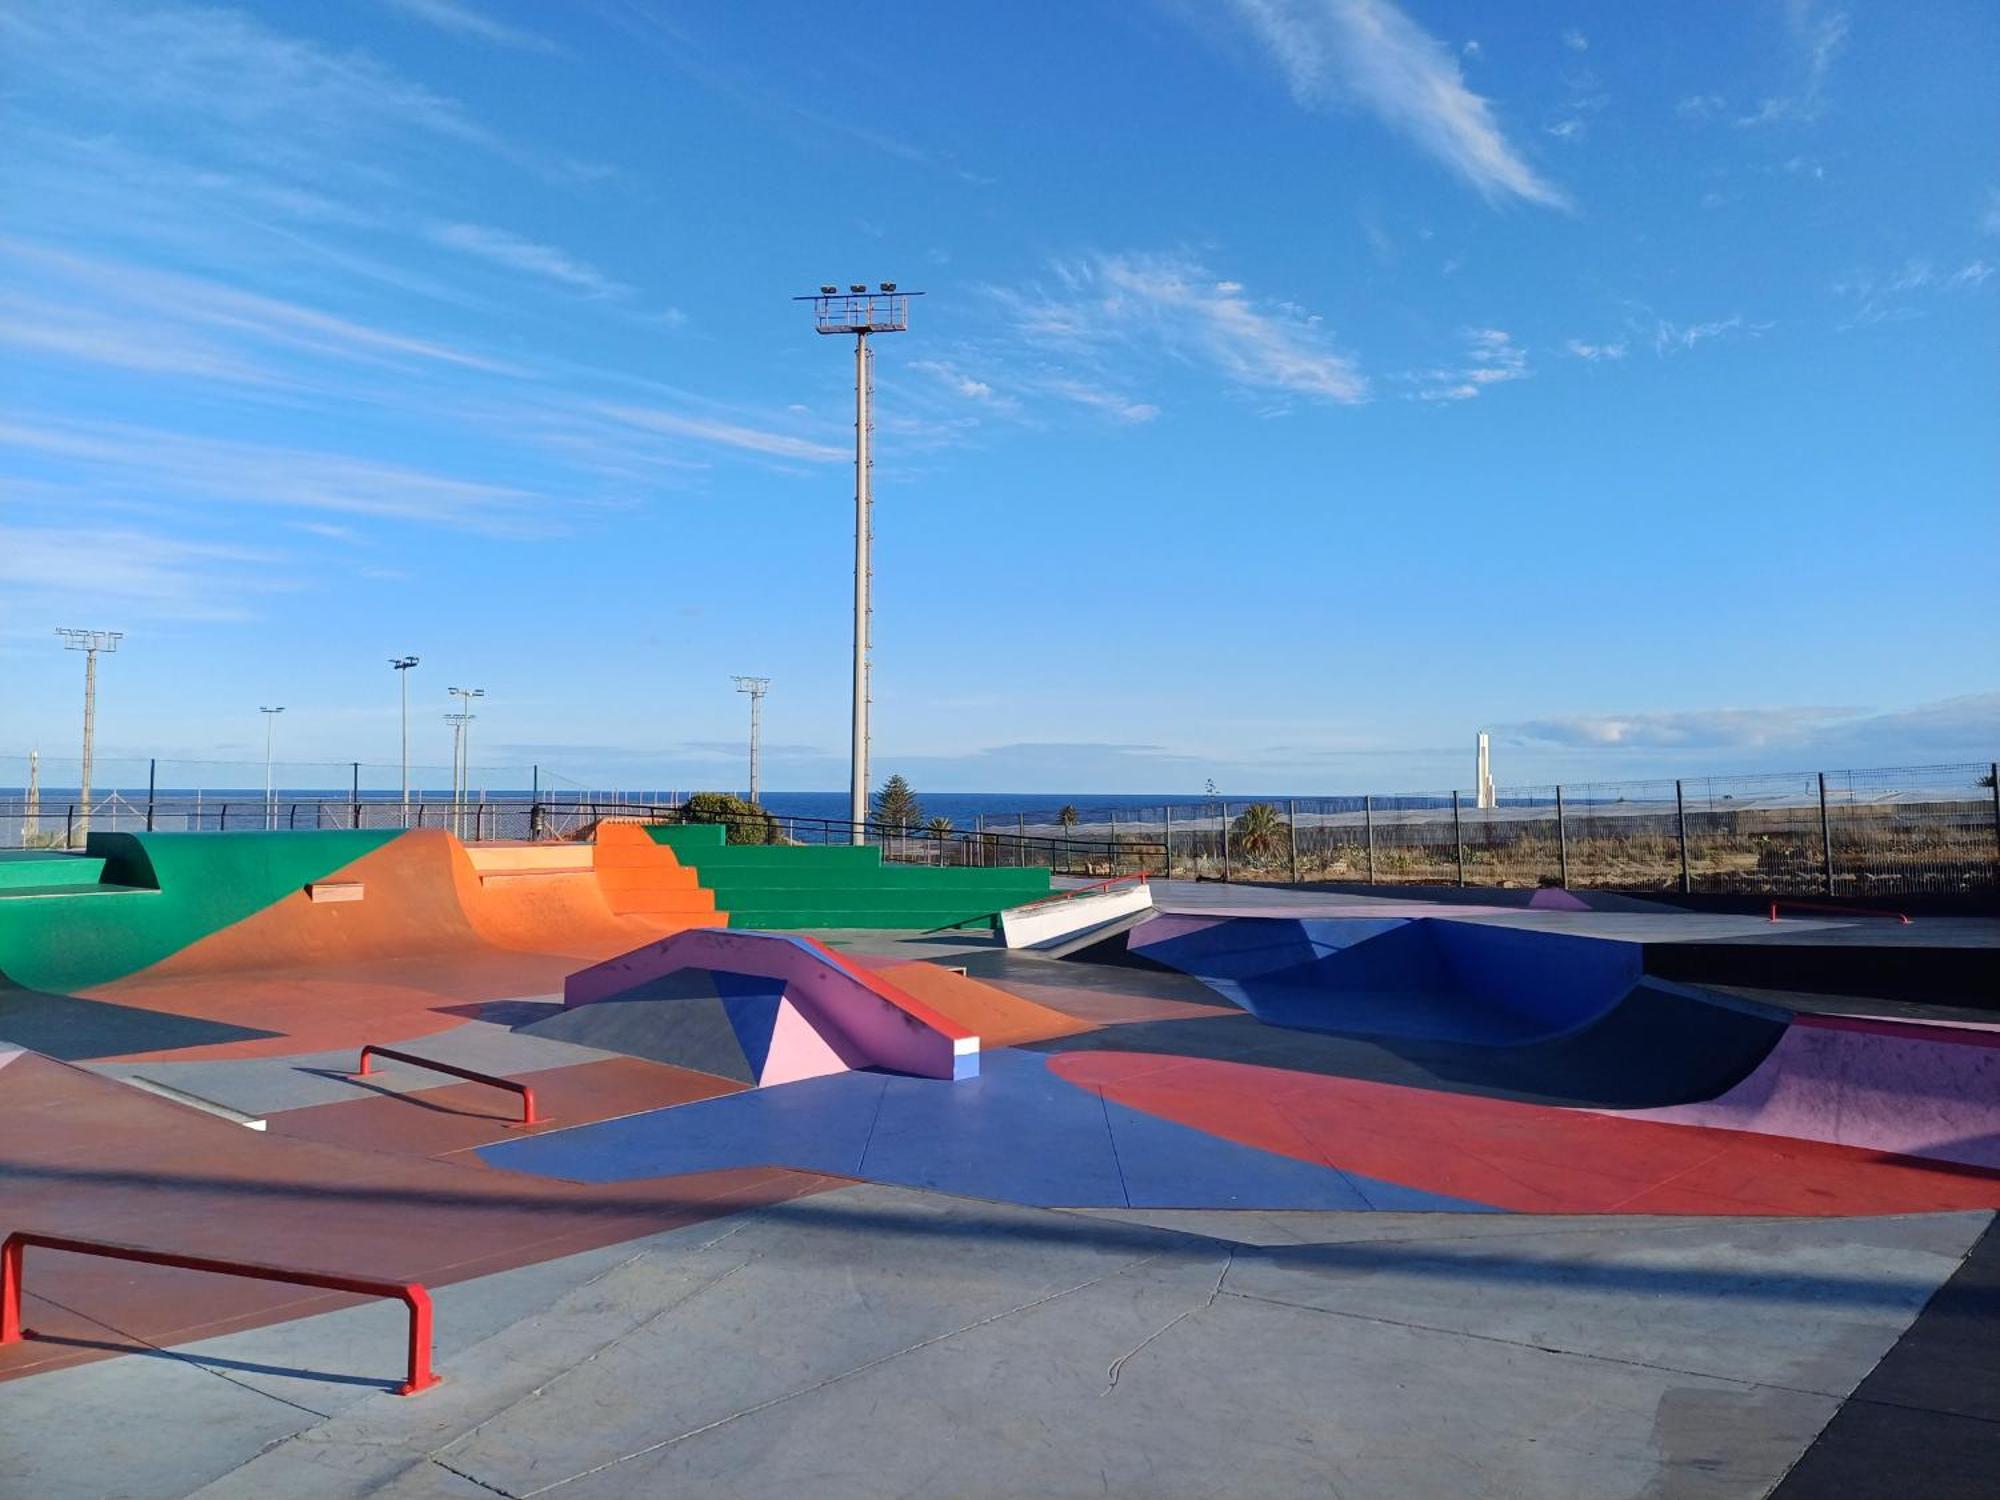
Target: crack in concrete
(591, 1358)
(1117, 1367)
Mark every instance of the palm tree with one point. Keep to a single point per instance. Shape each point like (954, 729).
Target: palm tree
(938, 828)
(1260, 833)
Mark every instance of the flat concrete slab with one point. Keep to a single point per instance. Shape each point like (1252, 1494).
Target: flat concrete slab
(875, 1341)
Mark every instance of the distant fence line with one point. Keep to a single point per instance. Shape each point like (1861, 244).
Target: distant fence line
(1858, 833)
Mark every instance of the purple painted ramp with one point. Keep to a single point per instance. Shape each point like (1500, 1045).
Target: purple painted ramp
(1891, 1086)
(862, 1018)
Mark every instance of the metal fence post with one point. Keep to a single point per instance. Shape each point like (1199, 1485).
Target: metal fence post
(1292, 834)
(1112, 863)
(1681, 828)
(1167, 838)
(69, 827)
(356, 768)
(1825, 836)
(1368, 823)
(152, 784)
(1020, 838)
(1993, 780)
(1562, 841)
(1458, 835)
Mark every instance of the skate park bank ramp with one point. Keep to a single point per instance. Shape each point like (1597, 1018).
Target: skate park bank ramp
(761, 1008)
(840, 885)
(280, 941)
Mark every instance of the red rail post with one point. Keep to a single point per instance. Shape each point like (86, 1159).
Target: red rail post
(13, 1261)
(528, 1115)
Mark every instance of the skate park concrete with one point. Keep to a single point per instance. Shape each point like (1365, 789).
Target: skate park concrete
(1159, 1246)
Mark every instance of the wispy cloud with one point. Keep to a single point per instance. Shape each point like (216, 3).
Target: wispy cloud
(723, 433)
(116, 458)
(1907, 292)
(1701, 107)
(1950, 729)
(223, 310)
(517, 254)
(1575, 40)
(1173, 302)
(955, 379)
(1369, 53)
(140, 574)
(1681, 338)
(1491, 358)
(1083, 393)
(1818, 32)
(1579, 349)
(454, 16)
(1705, 728)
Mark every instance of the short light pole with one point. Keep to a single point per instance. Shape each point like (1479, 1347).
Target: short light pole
(89, 642)
(756, 687)
(402, 664)
(861, 312)
(270, 794)
(461, 754)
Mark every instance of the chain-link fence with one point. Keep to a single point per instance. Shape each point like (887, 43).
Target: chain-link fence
(1910, 829)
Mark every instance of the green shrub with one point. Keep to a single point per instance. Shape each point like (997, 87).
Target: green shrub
(746, 821)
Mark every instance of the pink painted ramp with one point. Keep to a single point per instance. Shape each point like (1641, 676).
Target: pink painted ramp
(1893, 1086)
(854, 1012)
(797, 1050)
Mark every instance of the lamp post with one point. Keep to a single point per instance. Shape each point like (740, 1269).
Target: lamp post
(861, 312)
(270, 794)
(756, 687)
(402, 664)
(89, 642)
(461, 753)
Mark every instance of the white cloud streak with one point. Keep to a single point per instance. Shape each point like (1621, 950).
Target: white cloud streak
(517, 254)
(1369, 53)
(724, 434)
(1175, 303)
(147, 461)
(453, 16)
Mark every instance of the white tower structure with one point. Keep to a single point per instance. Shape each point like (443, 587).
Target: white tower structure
(861, 312)
(1486, 798)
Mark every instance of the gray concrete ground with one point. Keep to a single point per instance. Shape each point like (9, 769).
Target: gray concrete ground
(876, 1341)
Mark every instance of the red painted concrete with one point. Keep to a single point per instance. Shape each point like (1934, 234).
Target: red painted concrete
(81, 1155)
(1529, 1158)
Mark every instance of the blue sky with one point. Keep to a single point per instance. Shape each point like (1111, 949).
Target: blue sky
(1302, 384)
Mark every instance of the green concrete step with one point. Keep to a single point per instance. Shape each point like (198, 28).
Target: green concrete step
(48, 869)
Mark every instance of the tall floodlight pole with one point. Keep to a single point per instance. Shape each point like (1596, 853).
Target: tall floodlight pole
(89, 642)
(402, 664)
(462, 754)
(756, 687)
(270, 795)
(861, 312)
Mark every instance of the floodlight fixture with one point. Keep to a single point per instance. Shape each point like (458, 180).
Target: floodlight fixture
(89, 642)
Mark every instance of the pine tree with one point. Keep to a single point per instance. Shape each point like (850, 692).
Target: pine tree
(896, 806)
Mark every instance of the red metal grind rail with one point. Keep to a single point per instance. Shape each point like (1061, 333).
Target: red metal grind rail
(1835, 908)
(528, 1115)
(13, 1260)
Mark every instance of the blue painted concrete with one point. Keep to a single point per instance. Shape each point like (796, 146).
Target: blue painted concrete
(1017, 1134)
(1424, 978)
